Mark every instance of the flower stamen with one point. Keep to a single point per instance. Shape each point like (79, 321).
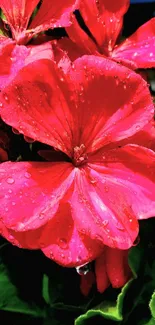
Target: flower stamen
(80, 157)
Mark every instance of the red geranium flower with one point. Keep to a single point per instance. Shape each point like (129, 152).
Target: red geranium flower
(50, 15)
(111, 267)
(72, 208)
(14, 52)
(104, 19)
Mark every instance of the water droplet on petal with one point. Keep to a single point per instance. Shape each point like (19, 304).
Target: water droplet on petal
(27, 175)
(83, 269)
(105, 222)
(15, 131)
(10, 180)
(28, 139)
(6, 97)
(41, 216)
(83, 231)
(93, 181)
(62, 243)
(11, 237)
(51, 255)
(42, 245)
(106, 189)
(119, 226)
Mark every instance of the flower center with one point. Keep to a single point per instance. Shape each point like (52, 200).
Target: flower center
(79, 155)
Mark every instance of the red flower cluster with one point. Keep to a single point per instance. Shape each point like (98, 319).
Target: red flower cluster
(98, 114)
(104, 18)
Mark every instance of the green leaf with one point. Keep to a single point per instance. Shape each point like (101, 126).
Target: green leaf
(135, 258)
(152, 305)
(150, 322)
(113, 310)
(9, 297)
(107, 309)
(46, 289)
(61, 287)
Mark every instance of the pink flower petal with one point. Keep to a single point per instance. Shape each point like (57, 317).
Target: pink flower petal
(87, 282)
(7, 234)
(144, 137)
(139, 48)
(18, 13)
(14, 57)
(104, 19)
(116, 263)
(53, 14)
(65, 245)
(58, 239)
(3, 155)
(76, 107)
(129, 177)
(79, 39)
(112, 118)
(101, 273)
(102, 210)
(28, 198)
(45, 117)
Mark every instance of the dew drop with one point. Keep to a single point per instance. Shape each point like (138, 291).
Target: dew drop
(83, 231)
(1, 104)
(13, 203)
(93, 181)
(51, 255)
(105, 222)
(42, 245)
(28, 139)
(11, 237)
(83, 269)
(27, 175)
(41, 216)
(106, 189)
(15, 131)
(119, 226)
(6, 97)
(10, 180)
(62, 243)
(21, 226)
(137, 127)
